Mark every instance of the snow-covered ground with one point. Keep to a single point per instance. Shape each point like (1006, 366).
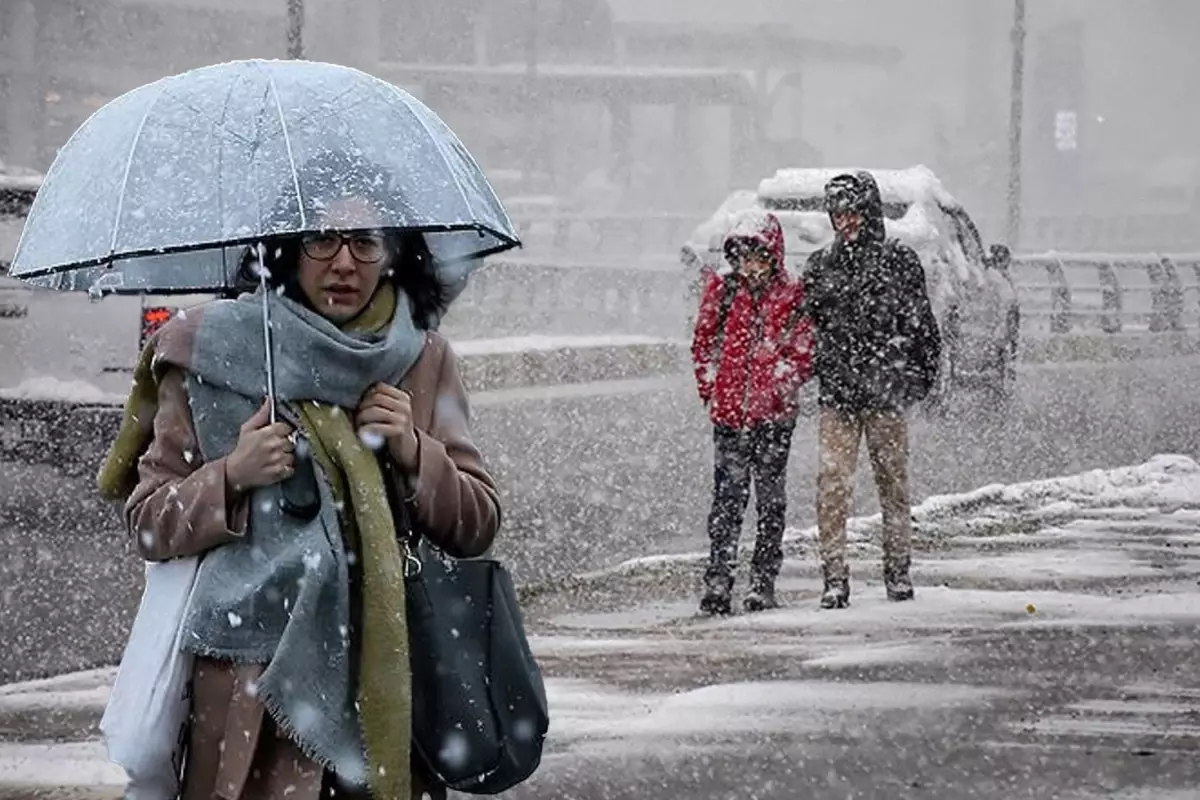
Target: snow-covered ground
(1163, 491)
(643, 675)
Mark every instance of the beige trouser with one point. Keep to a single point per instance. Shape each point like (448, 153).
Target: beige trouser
(886, 433)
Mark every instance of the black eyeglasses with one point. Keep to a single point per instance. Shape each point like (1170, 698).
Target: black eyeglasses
(743, 250)
(366, 248)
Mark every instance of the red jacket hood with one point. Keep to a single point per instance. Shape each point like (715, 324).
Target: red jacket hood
(761, 227)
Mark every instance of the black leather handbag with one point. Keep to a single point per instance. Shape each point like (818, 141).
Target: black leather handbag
(480, 714)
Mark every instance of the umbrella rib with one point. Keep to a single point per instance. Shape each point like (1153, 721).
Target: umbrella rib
(287, 142)
(137, 138)
(437, 141)
(326, 107)
(220, 164)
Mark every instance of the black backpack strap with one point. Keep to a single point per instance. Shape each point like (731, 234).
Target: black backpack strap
(730, 289)
(727, 300)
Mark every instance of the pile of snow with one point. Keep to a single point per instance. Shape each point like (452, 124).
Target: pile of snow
(88, 689)
(620, 722)
(1165, 484)
(54, 765)
(52, 389)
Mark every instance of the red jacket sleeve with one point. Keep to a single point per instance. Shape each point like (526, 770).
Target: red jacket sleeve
(704, 337)
(796, 346)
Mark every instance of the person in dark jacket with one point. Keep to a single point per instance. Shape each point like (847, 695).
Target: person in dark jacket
(751, 353)
(877, 353)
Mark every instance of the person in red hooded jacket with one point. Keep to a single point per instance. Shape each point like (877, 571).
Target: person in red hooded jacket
(752, 352)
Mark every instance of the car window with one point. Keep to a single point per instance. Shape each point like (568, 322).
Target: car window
(966, 233)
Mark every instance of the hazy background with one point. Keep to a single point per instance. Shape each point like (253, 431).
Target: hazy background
(600, 106)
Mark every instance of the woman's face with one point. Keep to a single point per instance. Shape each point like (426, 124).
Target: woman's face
(341, 266)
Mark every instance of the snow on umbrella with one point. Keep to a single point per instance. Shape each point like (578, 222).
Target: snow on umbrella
(167, 187)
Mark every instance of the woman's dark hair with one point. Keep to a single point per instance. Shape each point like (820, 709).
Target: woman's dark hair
(327, 177)
(413, 270)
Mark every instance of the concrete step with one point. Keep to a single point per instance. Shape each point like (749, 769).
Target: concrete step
(58, 771)
(65, 708)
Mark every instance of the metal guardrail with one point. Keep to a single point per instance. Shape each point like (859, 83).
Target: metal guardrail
(1097, 293)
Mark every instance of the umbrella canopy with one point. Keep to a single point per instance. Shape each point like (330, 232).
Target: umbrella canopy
(164, 187)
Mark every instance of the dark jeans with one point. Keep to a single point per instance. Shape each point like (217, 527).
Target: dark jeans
(758, 454)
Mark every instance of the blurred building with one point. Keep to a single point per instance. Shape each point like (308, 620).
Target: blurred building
(668, 104)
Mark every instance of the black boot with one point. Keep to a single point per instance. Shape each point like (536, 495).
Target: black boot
(761, 596)
(718, 594)
(895, 579)
(837, 586)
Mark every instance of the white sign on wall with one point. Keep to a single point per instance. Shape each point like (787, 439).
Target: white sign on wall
(1066, 130)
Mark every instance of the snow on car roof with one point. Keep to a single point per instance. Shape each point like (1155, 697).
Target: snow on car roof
(17, 178)
(910, 185)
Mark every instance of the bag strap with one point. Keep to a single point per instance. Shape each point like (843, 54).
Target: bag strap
(419, 383)
(730, 289)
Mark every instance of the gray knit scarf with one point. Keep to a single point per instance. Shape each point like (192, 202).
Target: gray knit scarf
(281, 596)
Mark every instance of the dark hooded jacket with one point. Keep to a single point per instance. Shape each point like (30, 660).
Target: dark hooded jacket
(877, 340)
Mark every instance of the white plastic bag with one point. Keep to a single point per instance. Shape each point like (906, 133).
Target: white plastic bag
(145, 722)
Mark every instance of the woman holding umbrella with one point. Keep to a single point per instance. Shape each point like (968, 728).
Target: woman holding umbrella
(273, 436)
(295, 675)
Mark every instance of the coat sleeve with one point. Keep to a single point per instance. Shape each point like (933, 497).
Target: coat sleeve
(180, 506)
(704, 336)
(922, 324)
(810, 302)
(454, 498)
(795, 347)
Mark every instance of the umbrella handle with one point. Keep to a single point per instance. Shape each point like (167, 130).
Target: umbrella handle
(268, 339)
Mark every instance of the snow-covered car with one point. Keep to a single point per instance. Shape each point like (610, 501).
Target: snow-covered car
(969, 285)
(69, 346)
(18, 187)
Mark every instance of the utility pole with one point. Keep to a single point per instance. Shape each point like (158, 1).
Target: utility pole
(1015, 123)
(295, 28)
(533, 102)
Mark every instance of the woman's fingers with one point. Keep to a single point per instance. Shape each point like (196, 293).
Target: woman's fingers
(283, 464)
(377, 415)
(399, 403)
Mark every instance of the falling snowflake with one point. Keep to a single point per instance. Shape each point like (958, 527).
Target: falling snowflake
(455, 749)
(371, 440)
(524, 730)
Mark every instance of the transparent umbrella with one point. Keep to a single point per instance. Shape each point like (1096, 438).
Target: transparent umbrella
(166, 188)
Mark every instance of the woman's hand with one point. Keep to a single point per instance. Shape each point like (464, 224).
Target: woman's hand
(385, 415)
(263, 455)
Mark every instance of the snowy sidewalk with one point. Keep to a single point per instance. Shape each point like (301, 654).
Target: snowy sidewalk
(1056, 614)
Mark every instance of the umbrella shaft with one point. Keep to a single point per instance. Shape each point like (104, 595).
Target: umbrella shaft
(268, 341)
